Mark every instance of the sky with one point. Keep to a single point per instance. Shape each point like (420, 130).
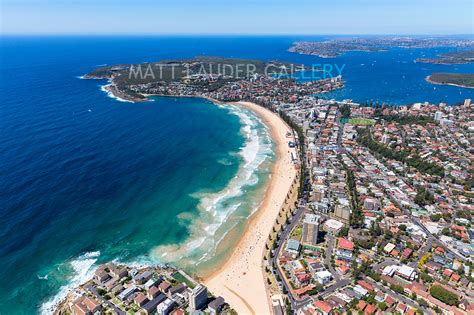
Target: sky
(236, 17)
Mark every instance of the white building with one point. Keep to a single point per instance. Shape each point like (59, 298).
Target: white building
(323, 277)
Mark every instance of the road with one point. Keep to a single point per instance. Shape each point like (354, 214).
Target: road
(407, 212)
(398, 296)
(327, 258)
(295, 303)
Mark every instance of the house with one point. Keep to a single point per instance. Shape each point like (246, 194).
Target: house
(153, 292)
(389, 247)
(178, 311)
(366, 285)
(179, 288)
(164, 286)
(361, 305)
(447, 273)
(370, 309)
(165, 307)
(125, 294)
(143, 277)
(407, 252)
(302, 291)
(343, 269)
(293, 247)
(390, 301)
(323, 277)
(101, 276)
(116, 271)
(216, 305)
(344, 248)
(380, 296)
(402, 308)
(140, 299)
(85, 305)
(303, 279)
(152, 282)
(150, 306)
(324, 307)
(360, 291)
(315, 266)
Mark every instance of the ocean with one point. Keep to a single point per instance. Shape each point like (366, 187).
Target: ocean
(85, 178)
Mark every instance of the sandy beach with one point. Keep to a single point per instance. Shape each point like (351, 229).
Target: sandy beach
(241, 279)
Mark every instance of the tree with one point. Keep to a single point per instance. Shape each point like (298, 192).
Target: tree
(444, 295)
(397, 288)
(382, 306)
(343, 232)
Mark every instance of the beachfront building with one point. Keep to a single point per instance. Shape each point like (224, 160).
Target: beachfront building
(311, 229)
(198, 298)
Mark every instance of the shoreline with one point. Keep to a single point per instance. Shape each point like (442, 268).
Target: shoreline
(235, 278)
(428, 79)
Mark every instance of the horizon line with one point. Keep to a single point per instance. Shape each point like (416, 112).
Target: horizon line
(233, 34)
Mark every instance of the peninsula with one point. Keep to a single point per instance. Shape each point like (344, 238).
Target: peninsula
(465, 80)
(223, 79)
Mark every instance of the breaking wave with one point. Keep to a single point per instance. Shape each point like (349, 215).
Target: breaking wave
(211, 225)
(82, 269)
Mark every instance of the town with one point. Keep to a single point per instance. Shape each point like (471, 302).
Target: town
(383, 223)
(119, 289)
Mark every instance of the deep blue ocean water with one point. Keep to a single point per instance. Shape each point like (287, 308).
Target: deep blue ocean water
(85, 178)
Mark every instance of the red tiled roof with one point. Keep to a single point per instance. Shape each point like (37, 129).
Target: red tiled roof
(389, 300)
(361, 305)
(366, 285)
(370, 309)
(323, 306)
(345, 244)
(407, 252)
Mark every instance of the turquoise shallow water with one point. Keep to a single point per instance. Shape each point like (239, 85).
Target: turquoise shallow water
(86, 179)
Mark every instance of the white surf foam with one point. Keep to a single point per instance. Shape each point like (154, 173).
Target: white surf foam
(216, 208)
(82, 269)
(103, 88)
